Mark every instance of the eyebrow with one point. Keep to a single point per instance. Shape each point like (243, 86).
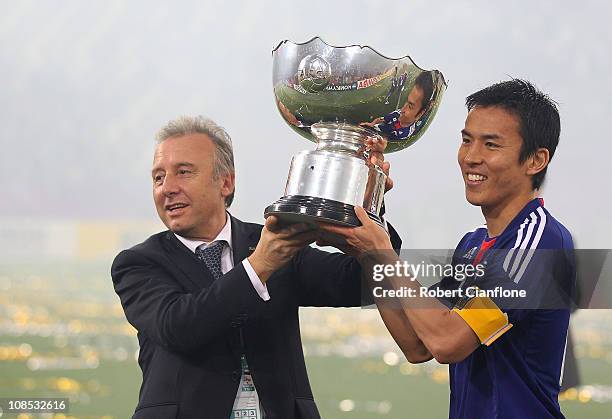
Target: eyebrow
(179, 164)
(484, 136)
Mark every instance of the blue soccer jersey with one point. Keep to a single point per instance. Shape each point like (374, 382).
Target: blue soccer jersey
(518, 375)
(394, 129)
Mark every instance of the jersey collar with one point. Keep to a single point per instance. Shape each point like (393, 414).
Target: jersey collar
(531, 206)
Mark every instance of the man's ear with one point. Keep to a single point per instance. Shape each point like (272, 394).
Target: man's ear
(422, 112)
(228, 184)
(538, 161)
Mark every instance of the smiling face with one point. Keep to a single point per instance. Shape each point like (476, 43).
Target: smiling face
(489, 160)
(189, 201)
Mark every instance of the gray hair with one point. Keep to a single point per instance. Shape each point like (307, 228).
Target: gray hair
(224, 154)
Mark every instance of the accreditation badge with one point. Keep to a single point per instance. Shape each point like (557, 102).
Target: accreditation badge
(246, 405)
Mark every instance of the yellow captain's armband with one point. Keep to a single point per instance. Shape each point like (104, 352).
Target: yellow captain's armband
(484, 318)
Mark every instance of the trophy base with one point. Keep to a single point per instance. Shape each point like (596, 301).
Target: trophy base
(293, 209)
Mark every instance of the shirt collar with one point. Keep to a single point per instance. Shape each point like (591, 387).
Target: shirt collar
(523, 215)
(224, 235)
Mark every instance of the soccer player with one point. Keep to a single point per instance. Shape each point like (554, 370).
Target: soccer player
(505, 357)
(401, 85)
(393, 88)
(402, 123)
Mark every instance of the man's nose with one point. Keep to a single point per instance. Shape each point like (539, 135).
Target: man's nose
(170, 185)
(473, 154)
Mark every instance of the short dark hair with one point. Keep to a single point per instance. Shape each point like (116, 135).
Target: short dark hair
(539, 122)
(425, 82)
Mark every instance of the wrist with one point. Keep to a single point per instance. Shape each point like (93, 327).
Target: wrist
(382, 243)
(261, 268)
(381, 255)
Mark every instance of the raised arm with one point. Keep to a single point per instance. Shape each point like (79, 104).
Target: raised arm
(427, 325)
(160, 308)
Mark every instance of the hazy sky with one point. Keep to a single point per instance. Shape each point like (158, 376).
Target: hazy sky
(85, 85)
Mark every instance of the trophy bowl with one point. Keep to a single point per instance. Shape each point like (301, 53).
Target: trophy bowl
(339, 98)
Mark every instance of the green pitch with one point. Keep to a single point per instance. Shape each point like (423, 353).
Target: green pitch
(373, 388)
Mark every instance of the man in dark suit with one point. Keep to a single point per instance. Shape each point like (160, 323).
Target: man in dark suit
(215, 300)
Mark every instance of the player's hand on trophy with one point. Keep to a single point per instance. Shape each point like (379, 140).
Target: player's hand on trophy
(328, 239)
(388, 181)
(278, 244)
(376, 146)
(358, 241)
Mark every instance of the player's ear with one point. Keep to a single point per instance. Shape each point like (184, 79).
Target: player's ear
(422, 111)
(538, 161)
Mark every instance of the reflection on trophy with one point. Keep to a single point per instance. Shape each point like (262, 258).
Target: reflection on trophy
(339, 97)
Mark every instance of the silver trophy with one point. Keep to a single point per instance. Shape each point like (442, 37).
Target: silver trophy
(339, 97)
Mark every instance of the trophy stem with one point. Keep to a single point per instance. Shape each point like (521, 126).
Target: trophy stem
(340, 137)
(325, 184)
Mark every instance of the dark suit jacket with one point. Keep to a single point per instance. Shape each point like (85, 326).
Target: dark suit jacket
(192, 330)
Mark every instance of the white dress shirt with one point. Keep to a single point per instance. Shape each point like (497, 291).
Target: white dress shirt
(227, 257)
(247, 399)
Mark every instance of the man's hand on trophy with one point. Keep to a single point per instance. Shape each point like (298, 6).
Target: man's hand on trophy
(278, 244)
(333, 240)
(359, 241)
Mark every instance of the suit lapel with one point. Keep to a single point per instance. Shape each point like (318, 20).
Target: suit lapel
(197, 276)
(244, 239)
